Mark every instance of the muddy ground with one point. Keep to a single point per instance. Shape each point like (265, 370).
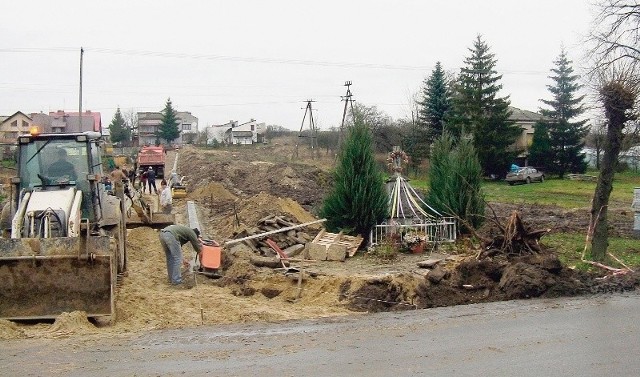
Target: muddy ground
(233, 189)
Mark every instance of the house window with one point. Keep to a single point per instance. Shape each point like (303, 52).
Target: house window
(14, 123)
(253, 127)
(186, 127)
(25, 124)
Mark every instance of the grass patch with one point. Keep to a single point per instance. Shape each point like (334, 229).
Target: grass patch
(11, 164)
(564, 193)
(569, 248)
(560, 192)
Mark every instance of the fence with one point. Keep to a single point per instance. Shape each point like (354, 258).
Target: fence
(442, 229)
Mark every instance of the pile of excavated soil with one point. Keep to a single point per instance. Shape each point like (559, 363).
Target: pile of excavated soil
(145, 299)
(10, 330)
(244, 174)
(223, 220)
(72, 323)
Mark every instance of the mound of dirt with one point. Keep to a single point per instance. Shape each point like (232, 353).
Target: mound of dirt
(474, 281)
(9, 330)
(212, 190)
(244, 174)
(247, 212)
(72, 323)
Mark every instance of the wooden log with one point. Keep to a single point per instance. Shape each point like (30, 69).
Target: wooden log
(269, 217)
(271, 262)
(284, 222)
(294, 250)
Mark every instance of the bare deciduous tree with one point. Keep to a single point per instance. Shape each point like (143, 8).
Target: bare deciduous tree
(618, 93)
(615, 75)
(131, 120)
(615, 33)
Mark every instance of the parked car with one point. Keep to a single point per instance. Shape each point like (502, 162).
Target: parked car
(525, 175)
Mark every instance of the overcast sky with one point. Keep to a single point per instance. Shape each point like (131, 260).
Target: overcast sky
(243, 59)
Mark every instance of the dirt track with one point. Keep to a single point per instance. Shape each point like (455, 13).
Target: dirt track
(232, 185)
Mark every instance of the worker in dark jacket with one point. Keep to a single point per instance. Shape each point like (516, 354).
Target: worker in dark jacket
(172, 238)
(151, 179)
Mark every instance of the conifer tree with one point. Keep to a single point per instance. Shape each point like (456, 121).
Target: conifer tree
(358, 200)
(168, 129)
(118, 129)
(435, 104)
(540, 147)
(566, 137)
(455, 178)
(479, 112)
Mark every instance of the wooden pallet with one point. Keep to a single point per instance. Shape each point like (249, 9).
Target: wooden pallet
(333, 246)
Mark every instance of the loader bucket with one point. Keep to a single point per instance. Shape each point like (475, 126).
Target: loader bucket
(41, 278)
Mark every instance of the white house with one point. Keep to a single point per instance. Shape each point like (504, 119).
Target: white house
(218, 131)
(246, 133)
(237, 134)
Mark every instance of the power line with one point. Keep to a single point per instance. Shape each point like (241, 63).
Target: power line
(248, 59)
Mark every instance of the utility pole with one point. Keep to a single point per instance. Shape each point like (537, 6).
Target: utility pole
(80, 92)
(312, 128)
(347, 101)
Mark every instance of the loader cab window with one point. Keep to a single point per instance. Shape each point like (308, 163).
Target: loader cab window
(55, 160)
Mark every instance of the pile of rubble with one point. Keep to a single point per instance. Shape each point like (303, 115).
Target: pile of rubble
(279, 238)
(291, 242)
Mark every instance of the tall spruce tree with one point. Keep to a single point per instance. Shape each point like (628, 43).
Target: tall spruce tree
(455, 178)
(435, 104)
(478, 111)
(358, 199)
(118, 129)
(566, 137)
(168, 129)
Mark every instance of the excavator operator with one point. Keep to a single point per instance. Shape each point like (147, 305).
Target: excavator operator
(62, 168)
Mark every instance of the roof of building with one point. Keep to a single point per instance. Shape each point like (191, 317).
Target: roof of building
(97, 119)
(4, 118)
(524, 115)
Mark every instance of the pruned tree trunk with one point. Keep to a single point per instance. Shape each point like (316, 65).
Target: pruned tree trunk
(618, 99)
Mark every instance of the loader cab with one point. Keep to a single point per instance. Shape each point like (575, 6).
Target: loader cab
(48, 162)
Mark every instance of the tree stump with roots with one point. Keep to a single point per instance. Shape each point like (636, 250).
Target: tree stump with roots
(515, 239)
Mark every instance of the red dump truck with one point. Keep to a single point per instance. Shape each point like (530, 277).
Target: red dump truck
(152, 157)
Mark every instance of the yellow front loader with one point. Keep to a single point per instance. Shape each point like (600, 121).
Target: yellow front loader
(64, 235)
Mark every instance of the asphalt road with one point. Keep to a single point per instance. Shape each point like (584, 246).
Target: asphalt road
(586, 336)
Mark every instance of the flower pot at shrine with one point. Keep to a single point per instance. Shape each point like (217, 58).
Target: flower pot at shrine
(418, 248)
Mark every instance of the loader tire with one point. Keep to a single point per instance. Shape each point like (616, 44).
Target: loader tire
(119, 233)
(5, 221)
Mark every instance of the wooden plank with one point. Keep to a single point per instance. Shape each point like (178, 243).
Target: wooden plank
(319, 235)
